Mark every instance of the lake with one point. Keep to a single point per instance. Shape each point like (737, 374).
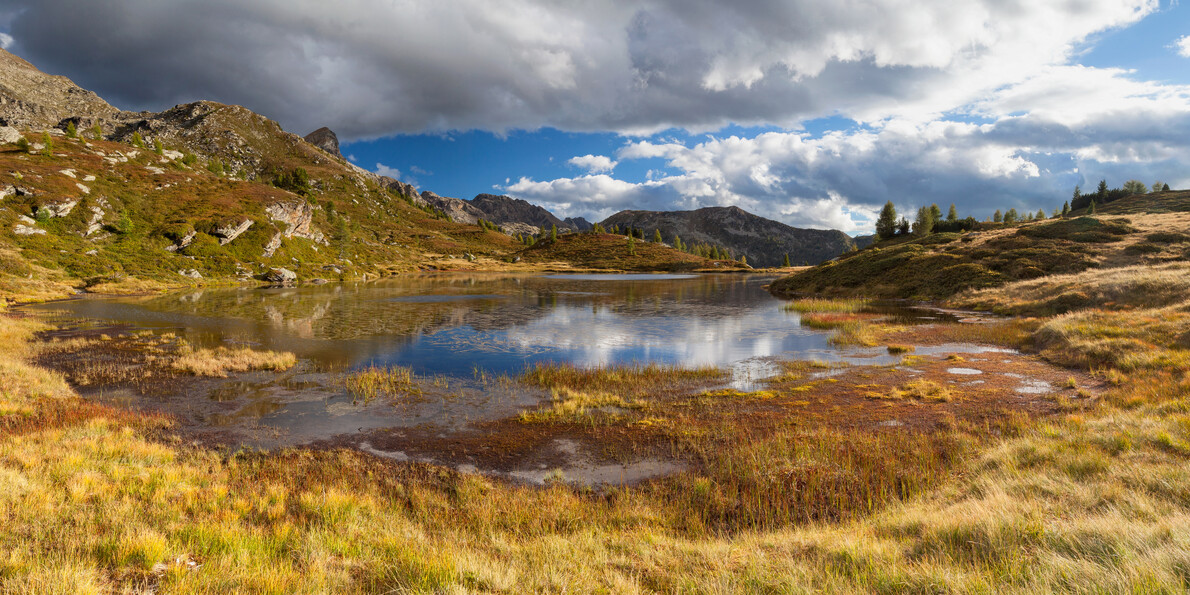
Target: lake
(460, 334)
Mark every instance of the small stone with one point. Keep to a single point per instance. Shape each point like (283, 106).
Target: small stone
(68, 173)
(92, 252)
(83, 188)
(88, 178)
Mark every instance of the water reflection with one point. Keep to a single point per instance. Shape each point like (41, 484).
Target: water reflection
(450, 324)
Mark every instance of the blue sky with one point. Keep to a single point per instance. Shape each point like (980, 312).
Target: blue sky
(809, 113)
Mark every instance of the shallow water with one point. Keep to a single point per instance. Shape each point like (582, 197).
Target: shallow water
(461, 333)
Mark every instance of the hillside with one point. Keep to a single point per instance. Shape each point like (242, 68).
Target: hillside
(765, 242)
(611, 251)
(942, 265)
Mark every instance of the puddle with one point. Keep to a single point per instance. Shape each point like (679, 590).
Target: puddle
(1030, 386)
(964, 371)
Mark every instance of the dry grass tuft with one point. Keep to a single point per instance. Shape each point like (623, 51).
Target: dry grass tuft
(806, 305)
(374, 381)
(221, 360)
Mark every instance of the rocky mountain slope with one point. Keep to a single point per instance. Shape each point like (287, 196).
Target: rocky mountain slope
(763, 241)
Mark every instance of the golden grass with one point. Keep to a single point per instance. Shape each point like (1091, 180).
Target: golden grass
(221, 360)
(843, 305)
(1142, 287)
(629, 381)
(374, 381)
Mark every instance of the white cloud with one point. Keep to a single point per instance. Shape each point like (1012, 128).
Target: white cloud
(1182, 45)
(1085, 124)
(5, 41)
(384, 170)
(594, 164)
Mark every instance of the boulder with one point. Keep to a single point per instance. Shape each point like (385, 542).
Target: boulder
(230, 231)
(9, 135)
(280, 276)
(25, 230)
(182, 243)
(191, 273)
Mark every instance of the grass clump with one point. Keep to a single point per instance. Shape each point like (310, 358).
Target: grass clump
(629, 381)
(922, 390)
(221, 360)
(375, 381)
(843, 305)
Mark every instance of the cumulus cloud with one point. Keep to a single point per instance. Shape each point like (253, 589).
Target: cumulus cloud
(593, 163)
(1182, 45)
(370, 68)
(384, 170)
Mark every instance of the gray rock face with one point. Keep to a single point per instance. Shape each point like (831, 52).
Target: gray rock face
(25, 230)
(578, 224)
(459, 211)
(280, 276)
(62, 208)
(765, 242)
(230, 231)
(190, 273)
(324, 138)
(505, 209)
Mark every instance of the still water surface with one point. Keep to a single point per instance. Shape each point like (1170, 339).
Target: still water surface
(458, 329)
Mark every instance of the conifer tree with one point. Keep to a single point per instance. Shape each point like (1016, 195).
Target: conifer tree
(656, 236)
(631, 245)
(48, 141)
(952, 215)
(786, 263)
(97, 131)
(71, 130)
(997, 216)
(1066, 209)
(886, 224)
(553, 233)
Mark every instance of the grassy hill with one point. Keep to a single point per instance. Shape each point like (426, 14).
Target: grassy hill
(611, 251)
(942, 265)
(94, 212)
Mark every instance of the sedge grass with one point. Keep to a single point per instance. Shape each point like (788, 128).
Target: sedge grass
(842, 305)
(221, 360)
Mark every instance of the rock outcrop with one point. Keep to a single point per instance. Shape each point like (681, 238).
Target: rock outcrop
(401, 188)
(230, 231)
(459, 210)
(324, 138)
(765, 242)
(297, 216)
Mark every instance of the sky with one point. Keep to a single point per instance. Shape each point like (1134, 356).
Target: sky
(808, 112)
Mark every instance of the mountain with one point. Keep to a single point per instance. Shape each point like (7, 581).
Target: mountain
(765, 242)
(459, 210)
(35, 100)
(505, 209)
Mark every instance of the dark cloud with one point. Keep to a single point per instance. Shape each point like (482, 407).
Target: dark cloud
(372, 67)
